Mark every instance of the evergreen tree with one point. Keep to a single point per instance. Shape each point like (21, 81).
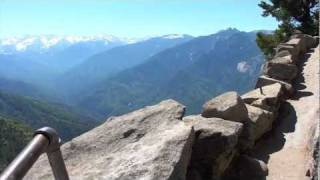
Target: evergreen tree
(302, 15)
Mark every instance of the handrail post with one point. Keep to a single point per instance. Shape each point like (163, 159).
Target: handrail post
(24, 161)
(45, 140)
(54, 154)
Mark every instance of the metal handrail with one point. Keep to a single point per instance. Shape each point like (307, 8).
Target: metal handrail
(45, 140)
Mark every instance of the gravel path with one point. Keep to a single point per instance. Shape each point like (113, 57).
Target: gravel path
(287, 149)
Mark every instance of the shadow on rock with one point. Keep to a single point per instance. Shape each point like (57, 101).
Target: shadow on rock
(246, 167)
(300, 86)
(300, 94)
(268, 144)
(274, 140)
(298, 83)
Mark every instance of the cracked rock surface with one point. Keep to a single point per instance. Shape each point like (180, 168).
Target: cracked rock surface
(150, 143)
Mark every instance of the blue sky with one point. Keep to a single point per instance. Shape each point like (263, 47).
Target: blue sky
(129, 18)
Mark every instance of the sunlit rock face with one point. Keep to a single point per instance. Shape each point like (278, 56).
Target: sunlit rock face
(150, 143)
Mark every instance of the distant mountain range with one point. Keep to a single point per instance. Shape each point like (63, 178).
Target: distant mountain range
(59, 53)
(44, 43)
(191, 72)
(56, 55)
(109, 62)
(102, 76)
(53, 43)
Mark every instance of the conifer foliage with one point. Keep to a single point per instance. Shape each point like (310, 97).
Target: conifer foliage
(302, 15)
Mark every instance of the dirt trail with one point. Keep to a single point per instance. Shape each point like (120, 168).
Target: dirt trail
(286, 149)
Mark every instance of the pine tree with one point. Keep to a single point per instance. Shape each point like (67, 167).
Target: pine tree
(302, 15)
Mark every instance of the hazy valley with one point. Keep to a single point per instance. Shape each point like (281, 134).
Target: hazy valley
(101, 77)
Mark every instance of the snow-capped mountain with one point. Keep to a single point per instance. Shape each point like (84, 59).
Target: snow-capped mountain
(175, 36)
(57, 52)
(42, 44)
(64, 52)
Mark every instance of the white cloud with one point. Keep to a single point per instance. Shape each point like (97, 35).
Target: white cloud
(243, 67)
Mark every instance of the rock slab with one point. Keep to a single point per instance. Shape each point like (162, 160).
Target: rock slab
(307, 41)
(214, 147)
(228, 106)
(267, 97)
(150, 144)
(286, 47)
(260, 122)
(281, 69)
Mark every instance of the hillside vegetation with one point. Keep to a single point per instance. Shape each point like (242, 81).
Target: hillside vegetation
(36, 114)
(191, 73)
(106, 63)
(13, 137)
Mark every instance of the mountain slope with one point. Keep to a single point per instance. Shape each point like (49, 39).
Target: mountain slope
(77, 53)
(19, 88)
(217, 71)
(102, 65)
(36, 114)
(40, 59)
(191, 73)
(51, 44)
(37, 60)
(24, 69)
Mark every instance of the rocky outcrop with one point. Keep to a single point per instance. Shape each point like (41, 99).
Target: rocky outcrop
(151, 143)
(214, 147)
(226, 106)
(293, 51)
(267, 97)
(283, 66)
(281, 69)
(260, 122)
(307, 41)
(297, 43)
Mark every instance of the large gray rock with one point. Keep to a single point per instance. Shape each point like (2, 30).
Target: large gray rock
(151, 143)
(227, 106)
(267, 97)
(287, 55)
(283, 60)
(310, 42)
(286, 47)
(298, 44)
(281, 69)
(264, 81)
(214, 147)
(307, 41)
(282, 53)
(260, 122)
